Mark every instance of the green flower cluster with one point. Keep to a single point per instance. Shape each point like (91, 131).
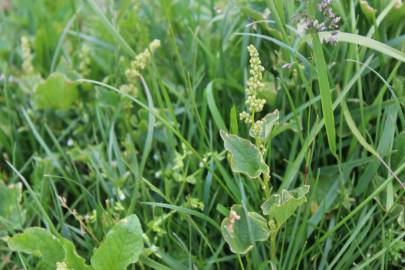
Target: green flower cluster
(137, 65)
(141, 60)
(254, 84)
(26, 55)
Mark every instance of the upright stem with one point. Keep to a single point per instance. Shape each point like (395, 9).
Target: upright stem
(240, 262)
(273, 237)
(265, 185)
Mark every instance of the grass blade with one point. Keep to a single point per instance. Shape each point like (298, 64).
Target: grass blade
(219, 122)
(352, 126)
(366, 42)
(326, 99)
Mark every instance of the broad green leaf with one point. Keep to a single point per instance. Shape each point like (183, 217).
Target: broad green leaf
(241, 230)
(12, 216)
(121, 247)
(269, 121)
(40, 243)
(72, 259)
(281, 206)
(326, 98)
(56, 92)
(246, 158)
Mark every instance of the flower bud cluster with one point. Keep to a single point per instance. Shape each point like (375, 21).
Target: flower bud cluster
(141, 60)
(26, 55)
(254, 84)
(257, 128)
(136, 66)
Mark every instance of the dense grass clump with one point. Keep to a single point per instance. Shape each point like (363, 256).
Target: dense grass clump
(201, 134)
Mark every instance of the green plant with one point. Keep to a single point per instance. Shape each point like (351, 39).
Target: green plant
(122, 246)
(91, 110)
(241, 229)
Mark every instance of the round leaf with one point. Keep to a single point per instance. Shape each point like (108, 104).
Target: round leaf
(121, 247)
(281, 206)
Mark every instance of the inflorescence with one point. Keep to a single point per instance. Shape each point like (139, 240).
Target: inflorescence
(141, 60)
(254, 84)
(253, 102)
(137, 65)
(331, 21)
(26, 55)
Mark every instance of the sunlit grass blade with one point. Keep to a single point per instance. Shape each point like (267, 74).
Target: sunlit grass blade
(219, 122)
(366, 42)
(326, 98)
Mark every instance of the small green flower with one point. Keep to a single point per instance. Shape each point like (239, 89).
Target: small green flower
(141, 60)
(254, 84)
(26, 55)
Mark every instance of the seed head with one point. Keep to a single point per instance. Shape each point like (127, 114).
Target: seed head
(26, 55)
(254, 84)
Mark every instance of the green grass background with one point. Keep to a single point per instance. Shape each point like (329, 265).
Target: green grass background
(108, 146)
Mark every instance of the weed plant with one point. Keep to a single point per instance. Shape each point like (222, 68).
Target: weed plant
(202, 134)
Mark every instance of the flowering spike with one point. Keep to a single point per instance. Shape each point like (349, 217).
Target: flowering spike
(26, 55)
(254, 84)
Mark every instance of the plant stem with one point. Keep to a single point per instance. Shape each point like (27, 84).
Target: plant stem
(240, 262)
(273, 255)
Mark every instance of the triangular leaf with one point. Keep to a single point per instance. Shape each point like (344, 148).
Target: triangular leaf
(241, 231)
(121, 247)
(281, 206)
(246, 157)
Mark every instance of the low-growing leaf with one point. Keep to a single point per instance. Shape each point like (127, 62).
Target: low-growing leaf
(246, 157)
(241, 231)
(40, 243)
(121, 247)
(281, 206)
(56, 92)
(12, 216)
(72, 259)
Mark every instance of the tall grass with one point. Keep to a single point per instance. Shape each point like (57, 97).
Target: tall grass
(113, 153)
